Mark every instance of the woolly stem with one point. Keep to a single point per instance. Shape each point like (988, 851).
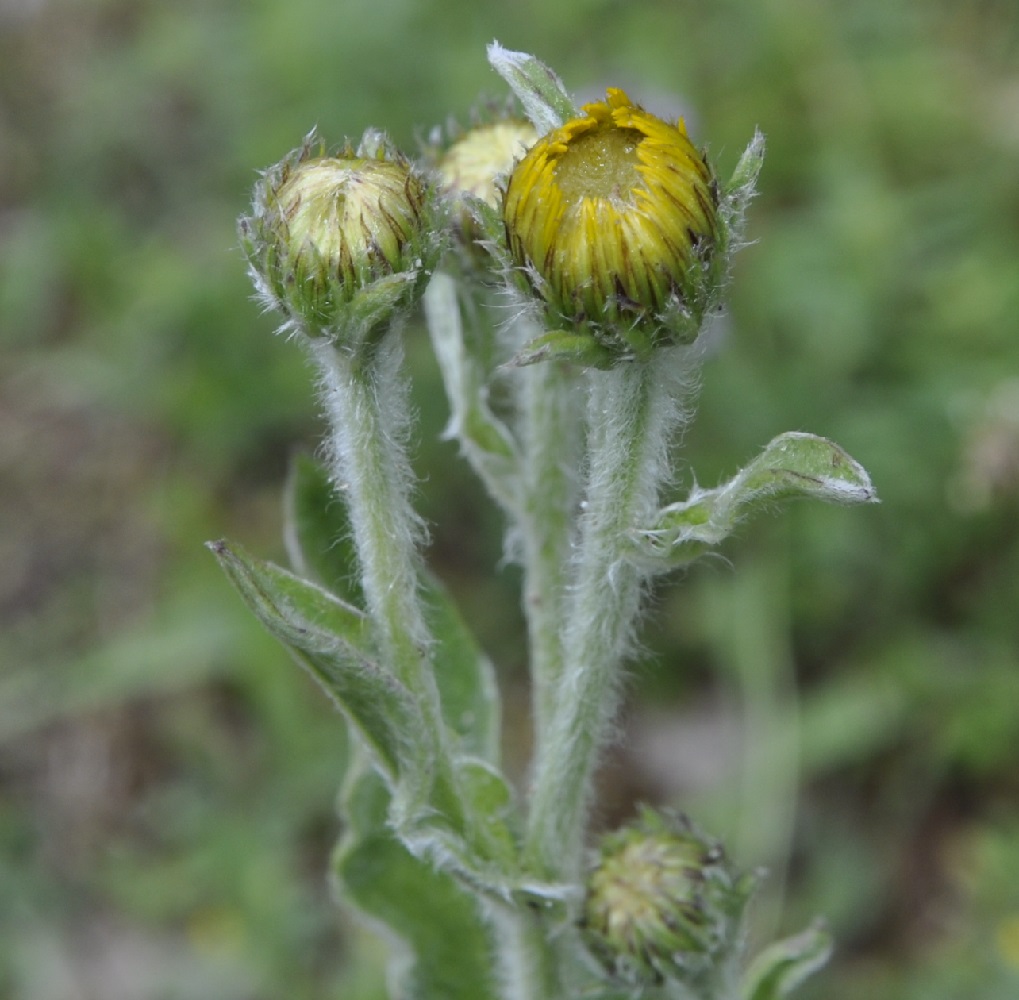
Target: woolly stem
(364, 397)
(550, 428)
(365, 400)
(632, 411)
(527, 963)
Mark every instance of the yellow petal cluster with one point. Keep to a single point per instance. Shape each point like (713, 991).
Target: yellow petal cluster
(477, 159)
(346, 221)
(614, 216)
(475, 166)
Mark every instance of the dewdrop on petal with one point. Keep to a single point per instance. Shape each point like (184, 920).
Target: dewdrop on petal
(613, 218)
(663, 903)
(339, 243)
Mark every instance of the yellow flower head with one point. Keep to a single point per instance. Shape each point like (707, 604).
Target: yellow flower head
(474, 167)
(613, 216)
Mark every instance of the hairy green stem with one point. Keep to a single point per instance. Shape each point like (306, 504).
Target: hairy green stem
(365, 401)
(364, 397)
(532, 474)
(526, 959)
(632, 411)
(550, 429)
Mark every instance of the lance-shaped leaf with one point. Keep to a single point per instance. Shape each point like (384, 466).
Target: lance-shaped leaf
(793, 465)
(319, 545)
(743, 183)
(782, 966)
(538, 88)
(440, 946)
(317, 533)
(329, 638)
(465, 676)
(441, 809)
(486, 442)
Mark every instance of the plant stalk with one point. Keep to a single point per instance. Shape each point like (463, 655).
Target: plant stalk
(365, 400)
(632, 411)
(527, 965)
(550, 429)
(364, 397)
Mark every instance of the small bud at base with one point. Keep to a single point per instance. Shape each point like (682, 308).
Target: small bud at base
(662, 903)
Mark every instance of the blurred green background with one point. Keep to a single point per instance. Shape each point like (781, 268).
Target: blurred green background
(838, 698)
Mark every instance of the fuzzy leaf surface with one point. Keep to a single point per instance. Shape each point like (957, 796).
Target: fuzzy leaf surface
(441, 947)
(330, 639)
(538, 88)
(565, 345)
(792, 466)
(782, 966)
(486, 442)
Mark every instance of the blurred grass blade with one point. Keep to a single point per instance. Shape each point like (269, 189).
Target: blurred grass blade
(193, 641)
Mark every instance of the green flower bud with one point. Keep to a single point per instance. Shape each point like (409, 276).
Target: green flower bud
(663, 903)
(339, 243)
(613, 218)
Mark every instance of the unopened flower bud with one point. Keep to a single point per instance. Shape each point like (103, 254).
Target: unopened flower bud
(479, 157)
(663, 903)
(614, 219)
(473, 167)
(338, 243)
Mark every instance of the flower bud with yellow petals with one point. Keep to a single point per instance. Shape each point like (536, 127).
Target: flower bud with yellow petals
(472, 173)
(613, 217)
(477, 159)
(339, 243)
